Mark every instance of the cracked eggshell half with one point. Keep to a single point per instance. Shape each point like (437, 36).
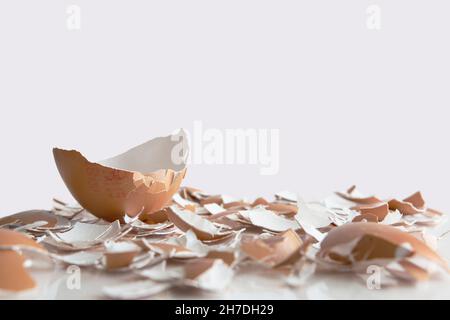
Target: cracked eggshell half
(145, 176)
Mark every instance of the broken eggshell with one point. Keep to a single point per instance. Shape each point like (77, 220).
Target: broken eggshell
(13, 274)
(36, 220)
(84, 236)
(203, 228)
(355, 246)
(277, 250)
(120, 254)
(353, 195)
(145, 176)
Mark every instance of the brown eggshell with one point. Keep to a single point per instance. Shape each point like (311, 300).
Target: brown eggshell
(405, 208)
(185, 226)
(113, 188)
(226, 256)
(283, 209)
(31, 216)
(349, 195)
(416, 199)
(212, 199)
(374, 242)
(117, 260)
(159, 216)
(368, 217)
(379, 210)
(260, 202)
(235, 204)
(279, 250)
(168, 248)
(11, 238)
(197, 267)
(13, 275)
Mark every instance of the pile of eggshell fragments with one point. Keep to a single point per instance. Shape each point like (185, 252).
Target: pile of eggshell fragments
(202, 240)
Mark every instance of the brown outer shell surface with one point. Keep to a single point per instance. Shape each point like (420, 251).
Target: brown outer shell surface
(109, 193)
(283, 248)
(383, 239)
(13, 275)
(31, 216)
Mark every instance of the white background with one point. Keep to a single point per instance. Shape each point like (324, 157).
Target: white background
(353, 105)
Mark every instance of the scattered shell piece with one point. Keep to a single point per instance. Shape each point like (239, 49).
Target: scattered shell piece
(268, 220)
(120, 255)
(13, 274)
(203, 228)
(276, 250)
(352, 194)
(84, 236)
(36, 220)
(356, 246)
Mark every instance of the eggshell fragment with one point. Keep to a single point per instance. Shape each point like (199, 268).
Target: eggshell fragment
(203, 228)
(49, 220)
(31, 216)
(416, 199)
(145, 176)
(287, 196)
(84, 236)
(214, 208)
(368, 217)
(208, 274)
(120, 255)
(159, 216)
(172, 250)
(357, 245)
(13, 275)
(260, 202)
(393, 217)
(282, 208)
(268, 220)
(353, 195)
(406, 208)
(380, 210)
(313, 214)
(212, 199)
(275, 251)
(229, 257)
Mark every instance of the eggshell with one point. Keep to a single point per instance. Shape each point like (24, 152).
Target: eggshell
(353, 195)
(372, 241)
(143, 177)
(204, 229)
(13, 274)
